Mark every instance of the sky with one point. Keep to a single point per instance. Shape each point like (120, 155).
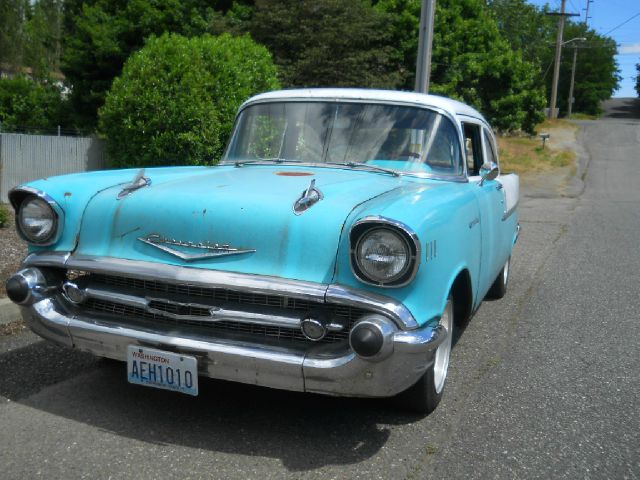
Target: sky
(605, 16)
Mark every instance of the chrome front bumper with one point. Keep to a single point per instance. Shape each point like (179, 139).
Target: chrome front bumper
(329, 369)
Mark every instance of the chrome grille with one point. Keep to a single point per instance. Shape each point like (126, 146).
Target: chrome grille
(343, 314)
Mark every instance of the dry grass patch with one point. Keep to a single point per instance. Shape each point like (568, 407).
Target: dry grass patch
(524, 155)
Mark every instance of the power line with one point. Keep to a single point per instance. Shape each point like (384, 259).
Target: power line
(623, 23)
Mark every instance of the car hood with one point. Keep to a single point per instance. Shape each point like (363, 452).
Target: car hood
(247, 208)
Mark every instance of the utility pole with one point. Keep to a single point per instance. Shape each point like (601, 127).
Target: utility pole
(573, 65)
(586, 15)
(423, 64)
(556, 66)
(573, 77)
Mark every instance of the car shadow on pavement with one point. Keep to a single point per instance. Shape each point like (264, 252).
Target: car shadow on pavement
(304, 431)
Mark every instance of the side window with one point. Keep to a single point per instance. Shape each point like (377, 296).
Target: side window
(473, 148)
(490, 147)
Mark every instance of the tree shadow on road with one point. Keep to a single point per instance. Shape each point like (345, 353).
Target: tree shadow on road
(628, 108)
(304, 431)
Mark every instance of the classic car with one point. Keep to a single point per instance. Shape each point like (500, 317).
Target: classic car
(334, 249)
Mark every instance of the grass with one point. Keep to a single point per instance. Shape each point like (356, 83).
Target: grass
(583, 116)
(524, 155)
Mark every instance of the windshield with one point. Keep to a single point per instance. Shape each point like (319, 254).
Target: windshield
(407, 139)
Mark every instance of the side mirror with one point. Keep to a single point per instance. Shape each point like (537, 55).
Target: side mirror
(488, 171)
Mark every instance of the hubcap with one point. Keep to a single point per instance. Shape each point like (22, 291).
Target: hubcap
(505, 271)
(441, 362)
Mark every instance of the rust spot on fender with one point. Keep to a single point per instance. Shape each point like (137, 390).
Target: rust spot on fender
(294, 174)
(67, 194)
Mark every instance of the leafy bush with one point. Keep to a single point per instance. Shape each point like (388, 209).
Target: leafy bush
(176, 99)
(29, 106)
(4, 215)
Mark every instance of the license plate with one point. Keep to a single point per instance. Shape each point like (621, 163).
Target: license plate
(159, 369)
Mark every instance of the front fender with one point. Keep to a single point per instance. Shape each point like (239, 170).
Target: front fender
(444, 216)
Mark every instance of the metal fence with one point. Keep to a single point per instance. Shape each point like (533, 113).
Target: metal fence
(29, 157)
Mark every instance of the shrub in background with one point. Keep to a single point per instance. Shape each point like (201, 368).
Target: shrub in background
(28, 106)
(176, 99)
(4, 215)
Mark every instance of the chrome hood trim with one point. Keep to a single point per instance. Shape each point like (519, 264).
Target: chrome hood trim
(172, 246)
(259, 284)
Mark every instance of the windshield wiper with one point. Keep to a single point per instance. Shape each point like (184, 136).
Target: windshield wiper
(240, 163)
(365, 166)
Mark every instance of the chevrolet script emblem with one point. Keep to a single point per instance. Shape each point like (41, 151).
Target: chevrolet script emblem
(189, 251)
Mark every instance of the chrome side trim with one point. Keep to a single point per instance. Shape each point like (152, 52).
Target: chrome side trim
(17, 196)
(408, 231)
(516, 236)
(511, 211)
(249, 283)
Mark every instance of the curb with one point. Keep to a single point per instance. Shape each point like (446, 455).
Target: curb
(9, 312)
(576, 183)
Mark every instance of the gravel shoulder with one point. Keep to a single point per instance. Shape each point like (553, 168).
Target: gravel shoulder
(561, 181)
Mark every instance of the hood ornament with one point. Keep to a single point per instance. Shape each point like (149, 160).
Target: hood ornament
(309, 198)
(138, 182)
(189, 251)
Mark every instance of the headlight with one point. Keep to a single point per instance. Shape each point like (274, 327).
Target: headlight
(384, 254)
(36, 220)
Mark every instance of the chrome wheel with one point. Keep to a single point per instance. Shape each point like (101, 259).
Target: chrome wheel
(505, 272)
(441, 361)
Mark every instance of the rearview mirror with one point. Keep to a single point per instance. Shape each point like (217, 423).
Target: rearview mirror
(489, 171)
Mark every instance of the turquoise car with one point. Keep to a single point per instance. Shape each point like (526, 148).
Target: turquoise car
(334, 249)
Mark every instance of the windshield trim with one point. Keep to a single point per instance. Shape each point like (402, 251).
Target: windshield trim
(461, 177)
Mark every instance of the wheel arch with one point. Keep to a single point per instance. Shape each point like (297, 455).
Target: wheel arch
(461, 290)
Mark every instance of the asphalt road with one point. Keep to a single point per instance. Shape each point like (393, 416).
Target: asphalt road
(543, 384)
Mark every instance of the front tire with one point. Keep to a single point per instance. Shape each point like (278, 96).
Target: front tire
(425, 395)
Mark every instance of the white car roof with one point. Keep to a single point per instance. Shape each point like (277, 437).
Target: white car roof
(453, 107)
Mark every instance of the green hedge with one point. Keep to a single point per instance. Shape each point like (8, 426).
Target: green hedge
(176, 99)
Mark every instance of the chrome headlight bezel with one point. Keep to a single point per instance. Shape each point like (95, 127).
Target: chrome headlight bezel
(20, 197)
(367, 226)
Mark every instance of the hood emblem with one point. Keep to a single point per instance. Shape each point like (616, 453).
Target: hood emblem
(189, 251)
(308, 199)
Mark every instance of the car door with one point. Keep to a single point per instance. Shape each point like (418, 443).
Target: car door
(481, 150)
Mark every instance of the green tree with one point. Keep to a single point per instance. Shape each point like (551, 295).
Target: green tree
(28, 106)
(101, 34)
(13, 14)
(176, 99)
(529, 30)
(43, 38)
(471, 61)
(597, 75)
(327, 42)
